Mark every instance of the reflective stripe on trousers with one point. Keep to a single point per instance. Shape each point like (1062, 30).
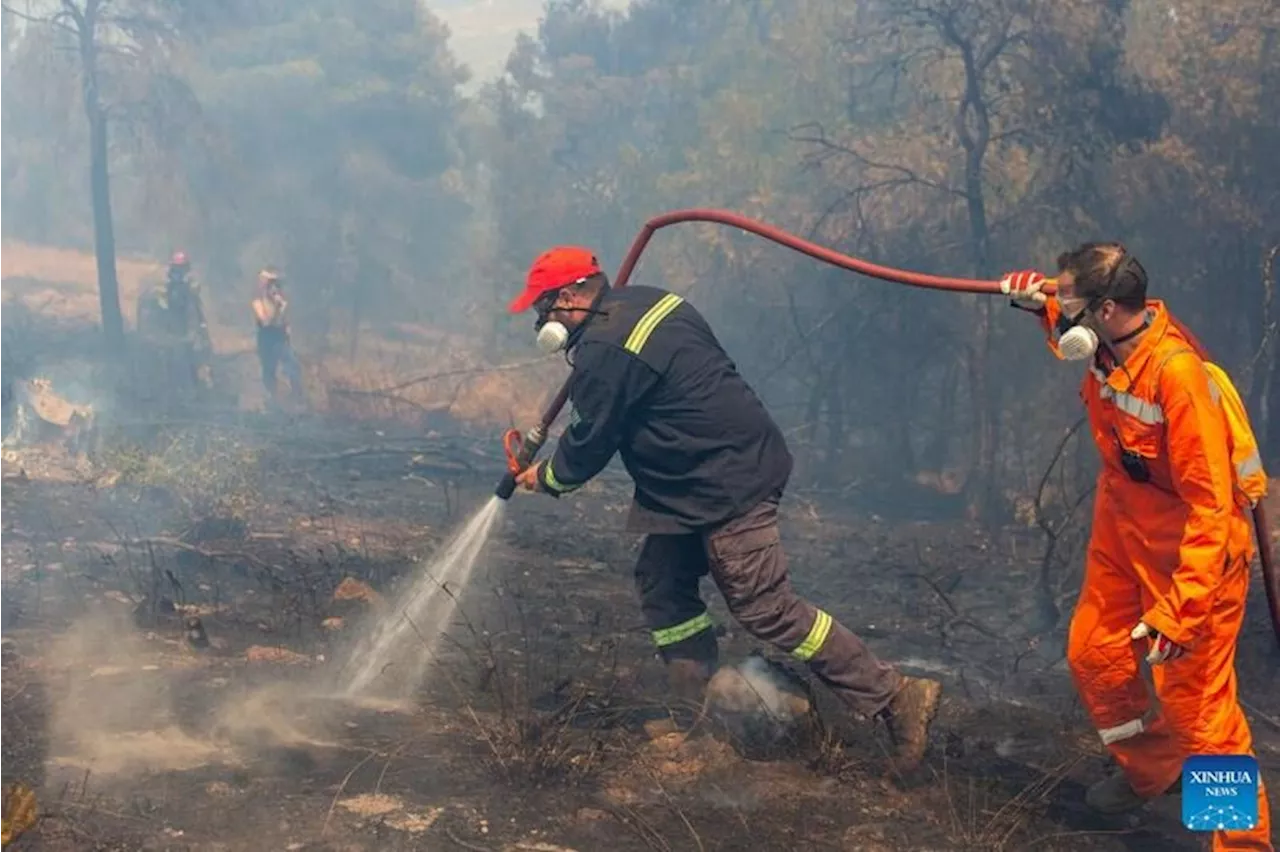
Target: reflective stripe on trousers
(682, 631)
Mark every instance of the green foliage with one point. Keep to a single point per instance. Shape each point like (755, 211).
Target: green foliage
(209, 474)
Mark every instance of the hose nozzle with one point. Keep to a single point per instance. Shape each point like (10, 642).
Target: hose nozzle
(520, 451)
(506, 486)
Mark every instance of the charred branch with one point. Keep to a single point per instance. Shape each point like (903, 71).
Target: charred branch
(814, 134)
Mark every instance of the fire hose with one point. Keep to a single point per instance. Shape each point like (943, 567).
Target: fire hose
(522, 449)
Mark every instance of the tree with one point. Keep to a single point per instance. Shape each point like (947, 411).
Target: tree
(44, 129)
(1208, 186)
(103, 32)
(948, 121)
(330, 146)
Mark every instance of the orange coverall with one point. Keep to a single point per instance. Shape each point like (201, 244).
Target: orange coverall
(1173, 552)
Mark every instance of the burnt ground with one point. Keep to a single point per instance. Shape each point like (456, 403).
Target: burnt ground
(531, 734)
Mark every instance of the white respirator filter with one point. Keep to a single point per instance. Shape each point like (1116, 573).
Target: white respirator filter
(1078, 343)
(552, 337)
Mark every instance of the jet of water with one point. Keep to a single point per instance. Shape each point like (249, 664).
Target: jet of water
(399, 648)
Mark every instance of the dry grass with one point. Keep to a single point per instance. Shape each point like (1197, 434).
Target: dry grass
(414, 372)
(210, 475)
(64, 282)
(981, 817)
(476, 393)
(406, 371)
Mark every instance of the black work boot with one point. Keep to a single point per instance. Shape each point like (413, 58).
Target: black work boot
(908, 716)
(1115, 795)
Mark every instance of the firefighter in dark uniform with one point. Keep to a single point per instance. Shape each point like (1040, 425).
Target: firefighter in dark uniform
(171, 317)
(651, 382)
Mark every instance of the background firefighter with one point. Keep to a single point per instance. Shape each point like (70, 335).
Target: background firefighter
(274, 347)
(651, 381)
(171, 320)
(1167, 571)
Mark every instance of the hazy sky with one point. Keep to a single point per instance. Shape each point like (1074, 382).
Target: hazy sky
(484, 31)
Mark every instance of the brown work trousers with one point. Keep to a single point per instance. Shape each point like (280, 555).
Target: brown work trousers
(745, 559)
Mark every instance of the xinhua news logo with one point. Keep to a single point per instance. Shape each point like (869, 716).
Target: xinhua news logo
(1220, 792)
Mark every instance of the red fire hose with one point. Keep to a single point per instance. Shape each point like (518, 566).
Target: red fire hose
(521, 450)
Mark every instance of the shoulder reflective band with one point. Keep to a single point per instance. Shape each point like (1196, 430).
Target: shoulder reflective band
(812, 643)
(682, 631)
(640, 334)
(1152, 414)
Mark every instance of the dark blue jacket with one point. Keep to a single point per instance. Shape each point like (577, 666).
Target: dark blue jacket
(651, 382)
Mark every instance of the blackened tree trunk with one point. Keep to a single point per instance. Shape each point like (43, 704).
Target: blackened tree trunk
(1262, 402)
(973, 127)
(104, 238)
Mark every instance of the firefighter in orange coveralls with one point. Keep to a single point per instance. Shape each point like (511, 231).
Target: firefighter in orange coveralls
(1167, 570)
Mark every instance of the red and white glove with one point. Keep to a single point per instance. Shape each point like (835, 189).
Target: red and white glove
(1163, 648)
(1023, 288)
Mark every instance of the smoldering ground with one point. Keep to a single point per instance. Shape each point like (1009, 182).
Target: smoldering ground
(126, 703)
(111, 702)
(140, 715)
(761, 707)
(148, 718)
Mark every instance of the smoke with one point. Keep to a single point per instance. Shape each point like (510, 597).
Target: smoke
(112, 706)
(124, 704)
(758, 704)
(277, 715)
(759, 688)
(62, 392)
(76, 380)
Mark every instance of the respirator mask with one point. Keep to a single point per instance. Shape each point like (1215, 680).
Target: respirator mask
(1076, 341)
(554, 336)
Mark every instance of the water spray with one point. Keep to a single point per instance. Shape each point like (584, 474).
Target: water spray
(522, 450)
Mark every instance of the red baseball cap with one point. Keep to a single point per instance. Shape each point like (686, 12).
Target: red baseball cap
(555, 268)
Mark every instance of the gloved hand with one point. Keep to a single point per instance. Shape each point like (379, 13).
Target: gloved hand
(1023, 288)
(1162, 648)
(530, 479)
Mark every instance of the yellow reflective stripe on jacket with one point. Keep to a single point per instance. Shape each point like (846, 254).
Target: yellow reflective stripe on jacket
(812, 643)
(682, 631)
(656, 314)
(549, 480)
